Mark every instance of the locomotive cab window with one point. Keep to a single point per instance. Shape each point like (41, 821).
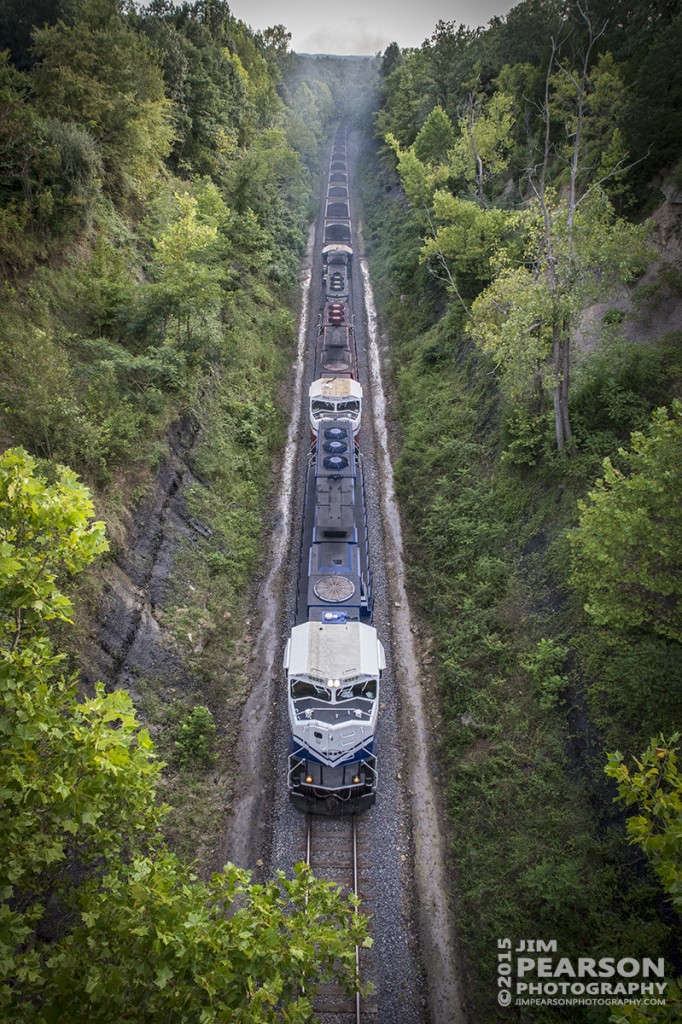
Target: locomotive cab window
(302, 688)
(350, 408)
(322, 407)
(366, 689)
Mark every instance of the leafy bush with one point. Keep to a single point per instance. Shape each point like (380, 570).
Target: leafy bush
(626, 549)
(194, 737)
(616, 389)
(543, 665)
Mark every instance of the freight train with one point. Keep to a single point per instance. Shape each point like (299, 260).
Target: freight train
(334, 659)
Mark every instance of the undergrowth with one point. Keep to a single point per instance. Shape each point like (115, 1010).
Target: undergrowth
(532, 694)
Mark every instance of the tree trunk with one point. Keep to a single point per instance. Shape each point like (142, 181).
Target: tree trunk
(565, 376)
(558, 382)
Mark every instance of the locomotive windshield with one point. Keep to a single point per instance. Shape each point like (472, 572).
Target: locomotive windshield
(302, 688)
(366, 689)
(322, 407)
(351, 408)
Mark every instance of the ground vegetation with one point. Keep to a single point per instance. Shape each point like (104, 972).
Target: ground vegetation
(511, 191)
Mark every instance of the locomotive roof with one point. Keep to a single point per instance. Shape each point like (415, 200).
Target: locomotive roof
(337, 247)
(335, 651)
(335, 387)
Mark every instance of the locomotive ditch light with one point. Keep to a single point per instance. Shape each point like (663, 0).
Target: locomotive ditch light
(356, 780)
(308, 779)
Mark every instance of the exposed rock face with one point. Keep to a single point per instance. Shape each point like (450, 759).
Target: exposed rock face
(664, 314)
(131, 640)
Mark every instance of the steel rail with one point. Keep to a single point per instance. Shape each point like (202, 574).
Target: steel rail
(355, 890)
(308, 860)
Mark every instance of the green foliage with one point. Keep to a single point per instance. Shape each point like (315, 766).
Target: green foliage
(526, 316)
(408, 100)
(648, 668)
(418, 180)
(653, 126)
(88, 405)
(186, 268)
(70, 167)
(257, 188)
(482, 150)
(195, 735)
(45, 532)
(524, 433)
(151, 940)
(50, 175)
(101, 74)
(656, 789)
(638, 1013)
(627, 545)
(98, 917)
(469, 237)
(512, 322)
(617, 388)
(435, 138)
(602, 150)
(527, 685)
(543, 665)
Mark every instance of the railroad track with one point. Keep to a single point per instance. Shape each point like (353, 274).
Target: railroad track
(335, 852)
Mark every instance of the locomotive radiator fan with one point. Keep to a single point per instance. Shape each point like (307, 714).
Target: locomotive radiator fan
(334, 589)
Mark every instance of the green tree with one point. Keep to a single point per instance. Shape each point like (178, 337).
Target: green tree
(626, 550)
(390, 60)
(449, 59)
(45, 533)
(19, 142)
(407, 100)
(435, 139)
(485, 140)
(526, 317)
(577, 249)
(186, 268)
(152, 942)
(468, 239)
(586, 108)
(99, 73)
(654, 789)
(461, 239)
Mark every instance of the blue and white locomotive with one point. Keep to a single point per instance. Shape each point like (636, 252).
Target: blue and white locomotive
(334, 658)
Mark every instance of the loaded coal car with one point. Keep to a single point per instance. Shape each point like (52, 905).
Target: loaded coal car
(334, 659)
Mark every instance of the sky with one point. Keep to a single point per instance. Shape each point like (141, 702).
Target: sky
(362, 26)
